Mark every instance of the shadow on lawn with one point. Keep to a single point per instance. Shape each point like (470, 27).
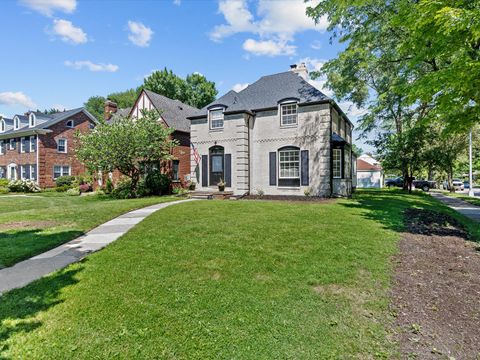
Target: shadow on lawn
(387, 207)
(25, 243)
(19, 306)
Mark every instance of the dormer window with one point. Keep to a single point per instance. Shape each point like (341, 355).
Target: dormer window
(216, 118)
(70, 124)
(3, 126)
(288, 114)
(16, 123)
(32, 120)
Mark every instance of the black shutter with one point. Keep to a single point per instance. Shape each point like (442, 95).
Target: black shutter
(228, 170)
(27, 172)
(305, 174)
(273, 168)
(204, 170)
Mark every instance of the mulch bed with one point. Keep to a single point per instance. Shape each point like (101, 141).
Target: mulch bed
(436, 290)
(287, 198)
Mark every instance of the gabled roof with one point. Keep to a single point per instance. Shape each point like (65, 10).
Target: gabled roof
(266, 93)
(173, 112)
(365, 166)
(44, 121)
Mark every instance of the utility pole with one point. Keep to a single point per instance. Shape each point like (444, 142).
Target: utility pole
(470, 160)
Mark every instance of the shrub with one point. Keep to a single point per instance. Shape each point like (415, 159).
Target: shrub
(191, 185)
(65, 181)
(3, 190)
(108, 186)
(62, 188)
(158, 183)
(73, 192)
(123, 190)
(27, 186)
(307, 192)
(143, 189)
(84, 188)
(4, 182)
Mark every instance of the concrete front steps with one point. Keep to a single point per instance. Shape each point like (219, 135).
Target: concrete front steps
(209, 195)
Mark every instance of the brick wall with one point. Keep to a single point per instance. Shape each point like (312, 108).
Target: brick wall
(15, 157)
(49, 156)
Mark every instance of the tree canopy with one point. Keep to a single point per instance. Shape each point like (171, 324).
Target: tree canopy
(195, 90)
(126, 145)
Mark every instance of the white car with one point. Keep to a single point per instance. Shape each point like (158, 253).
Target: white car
(457, 185)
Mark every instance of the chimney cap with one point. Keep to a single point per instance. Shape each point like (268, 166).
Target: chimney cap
(293, 66)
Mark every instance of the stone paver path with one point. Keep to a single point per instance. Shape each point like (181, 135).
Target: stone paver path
(38, 266)
(463, 207)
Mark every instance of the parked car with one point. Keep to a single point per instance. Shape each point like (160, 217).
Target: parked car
(425, 185)
(456, 183)
(466, 185)
(396, 182)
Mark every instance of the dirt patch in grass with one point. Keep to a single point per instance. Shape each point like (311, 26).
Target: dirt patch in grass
(436, 291)
(292, 198)
(17, 225)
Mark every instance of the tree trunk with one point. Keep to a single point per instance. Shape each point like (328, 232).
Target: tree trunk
(450, 179)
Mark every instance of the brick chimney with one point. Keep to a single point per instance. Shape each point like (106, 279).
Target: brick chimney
(110, 109)
(300, 70)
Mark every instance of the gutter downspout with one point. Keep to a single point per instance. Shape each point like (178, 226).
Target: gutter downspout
(250, 119)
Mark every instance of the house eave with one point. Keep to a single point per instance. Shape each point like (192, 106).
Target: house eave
(26, 132)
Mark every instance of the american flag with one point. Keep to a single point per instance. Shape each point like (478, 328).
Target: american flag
(195, 154)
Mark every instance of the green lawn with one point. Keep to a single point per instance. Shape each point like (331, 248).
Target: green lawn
(223, 279)
(33, 224)
(471, 200)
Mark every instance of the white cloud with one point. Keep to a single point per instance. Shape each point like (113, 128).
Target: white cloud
(239, 87)
(268, 47)
(276, 22)
(68, 32)
(140, 34)
(48, 7)
(78, 65)
(177, 2)
(16, 98)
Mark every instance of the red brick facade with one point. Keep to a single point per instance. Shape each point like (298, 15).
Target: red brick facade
(47, 154)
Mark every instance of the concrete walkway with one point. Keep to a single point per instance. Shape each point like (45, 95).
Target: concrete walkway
(463, 207)
(38, 266)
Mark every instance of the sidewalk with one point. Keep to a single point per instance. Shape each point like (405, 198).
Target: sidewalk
(38, 266)
(463, 207)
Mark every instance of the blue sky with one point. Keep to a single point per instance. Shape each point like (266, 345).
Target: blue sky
(57, 53)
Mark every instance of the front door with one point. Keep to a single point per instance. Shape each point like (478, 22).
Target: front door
(217, 165)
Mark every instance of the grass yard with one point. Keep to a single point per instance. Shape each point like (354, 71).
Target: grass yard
(33, 224)
(224, 279)
(464, 197)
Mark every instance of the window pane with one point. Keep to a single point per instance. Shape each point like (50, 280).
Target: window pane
(289, 114)
(217, 163)
(289, 163)
(66, 170)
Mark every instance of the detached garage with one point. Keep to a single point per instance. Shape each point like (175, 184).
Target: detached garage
(369, 174)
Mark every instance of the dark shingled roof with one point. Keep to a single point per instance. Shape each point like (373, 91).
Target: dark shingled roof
(174, 112)
(43, 121)
(266, 93)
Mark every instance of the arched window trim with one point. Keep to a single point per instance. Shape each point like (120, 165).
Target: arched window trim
(16, 123)
(32, 120)
(70, 124)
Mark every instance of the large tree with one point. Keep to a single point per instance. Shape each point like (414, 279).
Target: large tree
(125, 99)
(95, 105)
(126, 145)
(195, 90)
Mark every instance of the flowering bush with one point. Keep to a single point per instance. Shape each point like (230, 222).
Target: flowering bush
(27, 186)
(73, 192)
(85, 188)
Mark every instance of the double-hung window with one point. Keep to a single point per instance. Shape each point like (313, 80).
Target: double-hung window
(289, 164)
(33, 172)
(12, 144)
(337, 163)
(59, 170)
(62, 146)
(23, 145)
(23, 172)
(2, 151)
(288, 114)
(216, 118)
(33, 144)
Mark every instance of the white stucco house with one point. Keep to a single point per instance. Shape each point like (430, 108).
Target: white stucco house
(369, 172)
(278, 136)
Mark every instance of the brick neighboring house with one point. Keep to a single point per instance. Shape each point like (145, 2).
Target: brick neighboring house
(173, 114)
(39, 147)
